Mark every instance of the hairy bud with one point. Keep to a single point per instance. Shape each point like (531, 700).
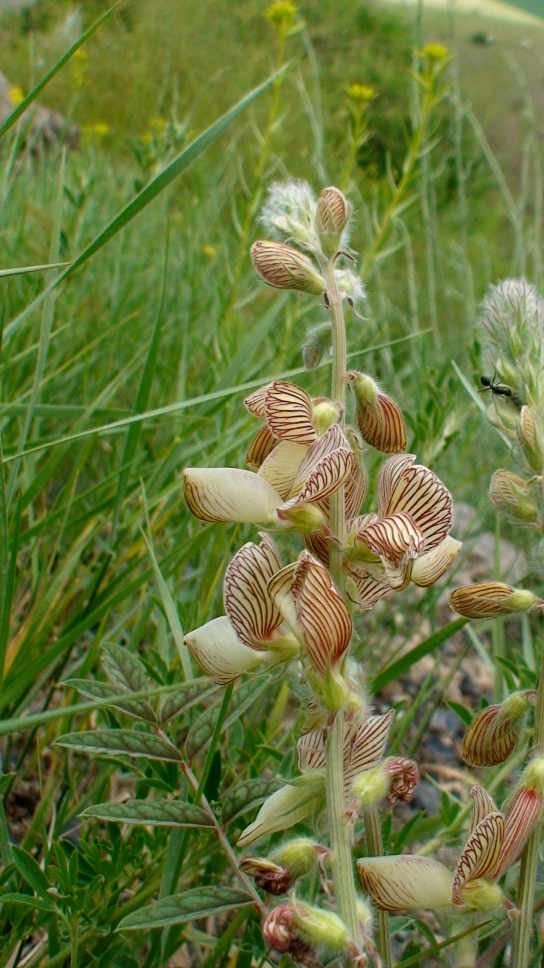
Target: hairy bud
(332, 216)
(319, 927)
(378, 417)
(283, 267)
(530, 438)
(508, 493)
(317, 344)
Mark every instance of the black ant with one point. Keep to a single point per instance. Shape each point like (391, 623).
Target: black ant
(499, 390)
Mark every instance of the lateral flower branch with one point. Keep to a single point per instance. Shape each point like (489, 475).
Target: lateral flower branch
(307, 477)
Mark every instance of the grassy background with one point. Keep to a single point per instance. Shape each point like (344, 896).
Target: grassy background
(83, 575)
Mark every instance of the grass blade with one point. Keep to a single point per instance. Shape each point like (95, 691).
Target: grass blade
(400, 666)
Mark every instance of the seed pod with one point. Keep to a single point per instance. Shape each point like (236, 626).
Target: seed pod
(283, 267)
(507, 492)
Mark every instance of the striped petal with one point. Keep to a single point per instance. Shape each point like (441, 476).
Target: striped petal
(404, 777)
(318, 544)
(490, 739)
(220, 653)
(396, 538)
(481, 853)
(521, 819)
(331, 472)
(280, 591)
(414, 489)
(332, 440)
(322, 614)
(256, 402)
(355, 492)
(282, 465)
(405, 882)
(289, 413)
(431, 565)
(383, 427)
(487, 599)
(311, 751)
(247, 602)
(482, 807)
(366, 590)
(367, 747)
(228, 494)
(260, 447)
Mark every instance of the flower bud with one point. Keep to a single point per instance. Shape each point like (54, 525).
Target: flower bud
(319, 927)
(530, 439)
(333, 691)
(365, 915)
(507, 492)
(491, 598)
(289, 805)
(532, 777)
(283, 267)
(403, 778)
(332, 216)
(318, 342)
(370, 787)
(298, 855)
(494, 732)
(305, 518)
(379, 419)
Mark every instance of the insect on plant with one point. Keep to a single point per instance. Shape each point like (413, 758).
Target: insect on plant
(499, 389)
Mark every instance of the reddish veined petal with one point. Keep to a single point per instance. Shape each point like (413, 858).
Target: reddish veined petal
(321, 612)
(483, 806)
(489, 741)
(289, 413)
(419, 493)
(481, 853)
(281, 466)
(332, 471)
(396, 538)
(311, 751)
(318, 544)
(368, 589)
(330, 441)
(280, 591)
(247, 602)
(366, 748)
(256, 402)
(397, 576)
(355, 492)
(404, 777)
(260, 447)
(431, 565)
(391, 474)
(521, 818)
(229, 494)
(383, 429)
(485, 599)
(405, 882)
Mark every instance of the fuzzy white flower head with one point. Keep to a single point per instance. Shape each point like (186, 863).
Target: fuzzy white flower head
(350, 286)
(513, 317)
(289, 213)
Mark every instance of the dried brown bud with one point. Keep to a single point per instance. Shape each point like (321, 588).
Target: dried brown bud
(268, 876)
(403, 778)
(283, 267)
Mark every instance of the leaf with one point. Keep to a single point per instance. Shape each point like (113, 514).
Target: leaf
(188, 694)
(202, 730)
(247, 795)
(465, 715)
(400, 666)
(180, 908)
(38, 903)
(121, 742)
(138, 708)
(29, 868)
(172, 616)
(156, 813)
(24, 269)
(147, 195)
(127, 672)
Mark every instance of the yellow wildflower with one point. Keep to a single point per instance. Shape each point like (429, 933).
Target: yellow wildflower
(361, 93)
(16, 96)
(209, 250)
(435, 52)
(281, 14)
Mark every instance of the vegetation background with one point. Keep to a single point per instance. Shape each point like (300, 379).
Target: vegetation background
(167, 319)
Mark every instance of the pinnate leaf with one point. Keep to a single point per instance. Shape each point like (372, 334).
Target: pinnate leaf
(121, 742)
(202, 730)
(188, 694)
(247, 795)
(180, 908)
(157, 813)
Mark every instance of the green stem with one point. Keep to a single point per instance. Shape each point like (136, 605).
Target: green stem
(374, 842)
(529, 859)
(338, 820)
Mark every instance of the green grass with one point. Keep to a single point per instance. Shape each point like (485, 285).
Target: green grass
(148, 325)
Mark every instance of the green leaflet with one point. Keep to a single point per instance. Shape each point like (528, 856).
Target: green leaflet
(179, 908)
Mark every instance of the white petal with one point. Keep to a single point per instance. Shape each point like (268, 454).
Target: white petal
(281, 466)
(260, 447)
(220, 654)
(431, 565)
(406, 881)
(286, 807)
(229, 494)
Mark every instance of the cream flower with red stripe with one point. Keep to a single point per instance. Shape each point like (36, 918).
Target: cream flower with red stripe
(286, 494)
(378, 417)
(494, 732)
(407, 540)
(495, 842)
(252, 633)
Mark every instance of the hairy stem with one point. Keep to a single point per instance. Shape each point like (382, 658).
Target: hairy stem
(373, 831)
(338, 821)
(529, 858)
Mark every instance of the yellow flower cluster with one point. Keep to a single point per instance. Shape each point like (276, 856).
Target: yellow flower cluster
(361, 93)
(16, 96)
(281, 14)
